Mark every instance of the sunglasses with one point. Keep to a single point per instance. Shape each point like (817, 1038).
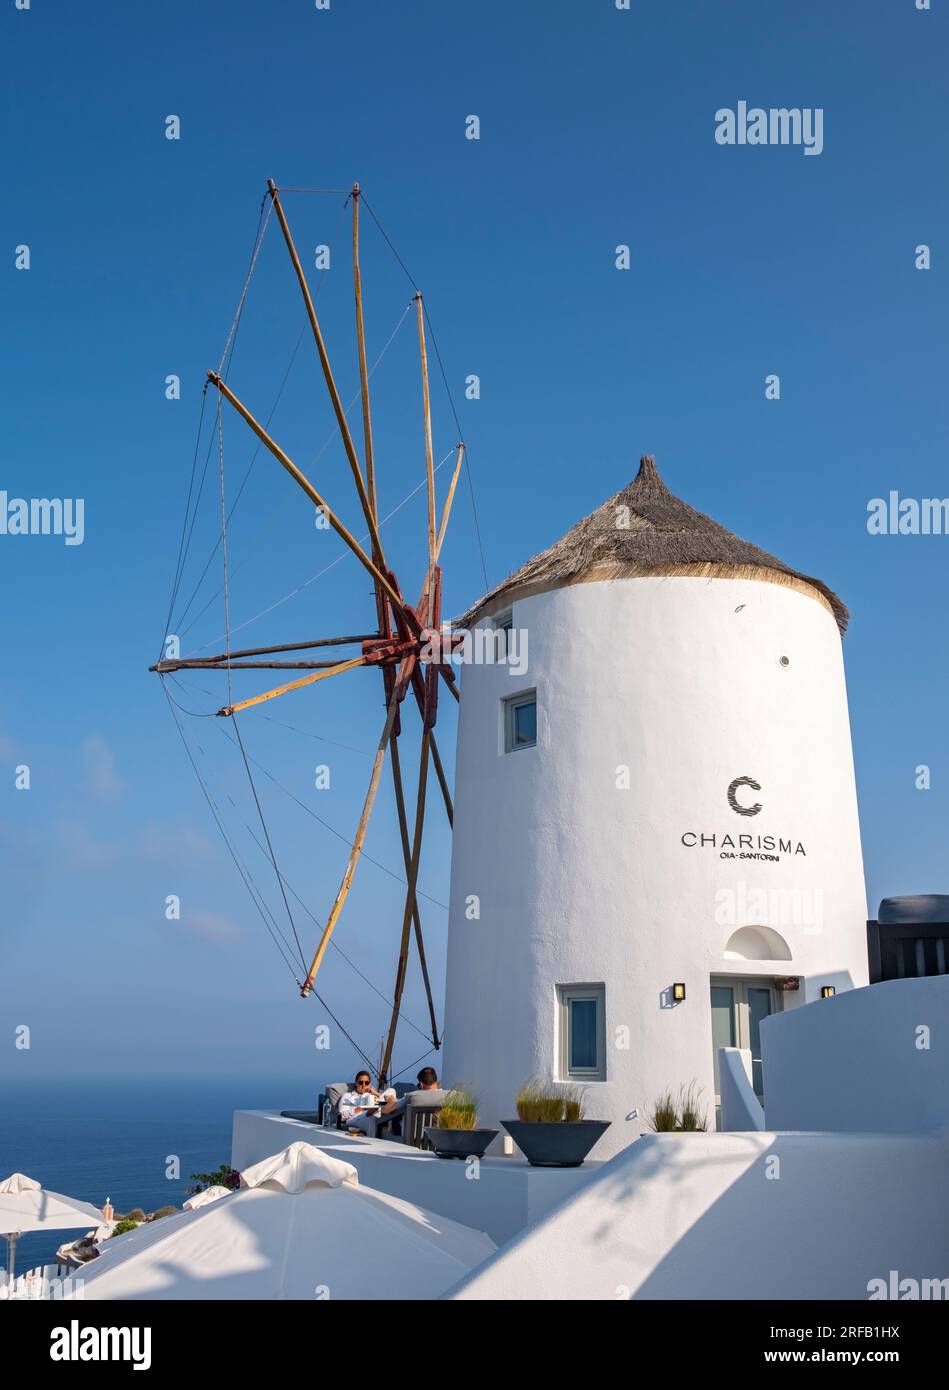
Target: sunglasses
(363, 1083)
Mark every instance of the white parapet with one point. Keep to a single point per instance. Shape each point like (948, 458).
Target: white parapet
(499, 1196)
(741, 1108)
(870, 1059)
(740, 1216)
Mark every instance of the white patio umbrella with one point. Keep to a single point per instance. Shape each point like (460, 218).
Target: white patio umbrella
(301, 1227)
(26, 1206)
(210, 1194)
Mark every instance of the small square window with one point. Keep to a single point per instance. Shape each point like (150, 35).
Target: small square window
(520, 721)
(582, 1022)
(502, 627)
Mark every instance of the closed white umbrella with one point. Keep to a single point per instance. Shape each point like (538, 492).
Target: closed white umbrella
(301, 1227)
(26, 1206)
(210, 1194)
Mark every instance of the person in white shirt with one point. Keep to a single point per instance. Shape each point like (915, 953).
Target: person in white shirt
(359, 1107)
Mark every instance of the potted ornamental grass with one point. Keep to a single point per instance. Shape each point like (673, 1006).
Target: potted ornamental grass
(550, 1129)
(678, 1112)
(455, 1133)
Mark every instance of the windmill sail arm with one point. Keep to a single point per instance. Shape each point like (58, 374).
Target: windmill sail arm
(195, 661)
(446, 511)
(293, 685)
(368, 510)
(410, 899)
(355, 852)
(286, 462)
(376, 651)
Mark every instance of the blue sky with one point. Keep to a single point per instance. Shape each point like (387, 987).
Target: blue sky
(597, 129)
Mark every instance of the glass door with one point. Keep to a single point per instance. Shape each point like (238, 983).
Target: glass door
(738, 1008)
(759, 1002)
(724, 1029)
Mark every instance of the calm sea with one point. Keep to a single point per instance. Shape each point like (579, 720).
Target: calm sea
(98, 1139)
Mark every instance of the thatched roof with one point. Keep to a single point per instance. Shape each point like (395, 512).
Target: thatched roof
(644, 530)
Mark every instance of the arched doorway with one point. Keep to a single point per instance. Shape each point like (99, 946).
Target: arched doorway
(740, 1002)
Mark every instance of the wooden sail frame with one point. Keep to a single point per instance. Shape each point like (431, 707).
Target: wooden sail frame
(398, 642)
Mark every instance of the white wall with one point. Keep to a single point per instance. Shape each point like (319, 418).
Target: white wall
(741, 1108)
(504, 1198)
(860, 1061)
(579, 882)
(736, 1216)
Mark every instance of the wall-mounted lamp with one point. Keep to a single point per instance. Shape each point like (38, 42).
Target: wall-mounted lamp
(827, 991)
(678, 993)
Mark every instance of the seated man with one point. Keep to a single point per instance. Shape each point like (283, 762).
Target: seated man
(358, 1108)
(427, 1080)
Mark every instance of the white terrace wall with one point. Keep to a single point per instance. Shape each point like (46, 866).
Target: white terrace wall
(870, 1059)
(737, 1216)
(506, 1197)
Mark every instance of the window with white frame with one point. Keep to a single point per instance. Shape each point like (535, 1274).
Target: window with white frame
(519, 716)
(582, 1027)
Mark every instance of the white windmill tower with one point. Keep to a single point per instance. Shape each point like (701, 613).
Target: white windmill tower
(662, 802)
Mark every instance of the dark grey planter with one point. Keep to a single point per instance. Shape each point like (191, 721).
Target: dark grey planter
(556, 1145)
(459, 1143)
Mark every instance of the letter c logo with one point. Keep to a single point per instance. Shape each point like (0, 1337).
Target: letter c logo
(733, 801)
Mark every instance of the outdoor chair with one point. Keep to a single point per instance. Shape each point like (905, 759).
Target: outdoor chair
(416, 1110)
(329, 1104)
(390, 1126)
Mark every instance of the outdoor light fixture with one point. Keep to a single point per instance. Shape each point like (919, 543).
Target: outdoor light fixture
(678, 993)
(827, 991)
